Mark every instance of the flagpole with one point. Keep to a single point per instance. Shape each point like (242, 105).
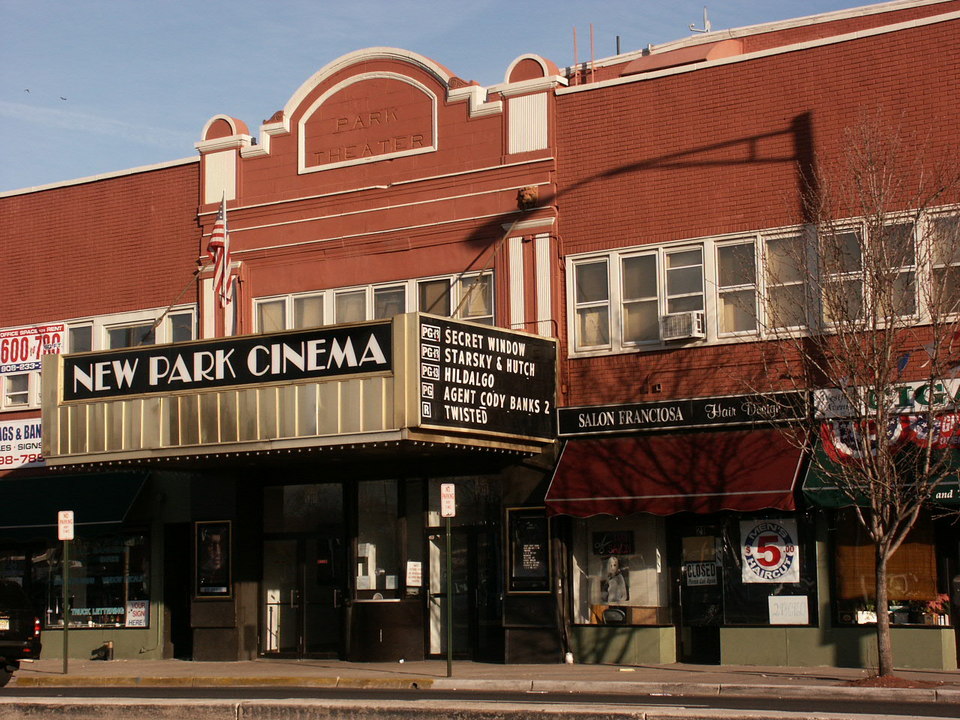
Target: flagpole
(218, 251)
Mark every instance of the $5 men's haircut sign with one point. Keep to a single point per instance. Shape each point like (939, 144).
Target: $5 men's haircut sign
(769, 551)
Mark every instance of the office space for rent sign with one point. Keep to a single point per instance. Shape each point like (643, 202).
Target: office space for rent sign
(22, 348)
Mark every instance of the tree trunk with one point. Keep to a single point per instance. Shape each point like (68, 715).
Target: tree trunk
(884, 645)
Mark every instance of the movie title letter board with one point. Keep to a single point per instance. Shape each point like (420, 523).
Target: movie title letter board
(487, 379)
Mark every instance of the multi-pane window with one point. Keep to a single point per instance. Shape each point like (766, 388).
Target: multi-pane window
(784, 274)
(641, 315)
(148, 327)
(861, 269)
(944, 233)
(898, 254)
(841, 254)
(469, 297)
(737, 288)
(16, 391)
(592, 297)
(684, 270)
(22, 349)
(759, 284)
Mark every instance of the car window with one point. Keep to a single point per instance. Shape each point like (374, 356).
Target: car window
(12, 596)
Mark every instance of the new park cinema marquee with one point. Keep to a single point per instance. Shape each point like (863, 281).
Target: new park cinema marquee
(413, 378)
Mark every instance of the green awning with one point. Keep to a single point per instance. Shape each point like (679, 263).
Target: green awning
(100, 503)
(820, 487)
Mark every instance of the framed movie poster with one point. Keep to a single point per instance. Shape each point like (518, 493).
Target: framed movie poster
(529, 566)
(213, 569)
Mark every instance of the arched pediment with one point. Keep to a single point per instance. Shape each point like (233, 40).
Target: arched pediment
(366, 118)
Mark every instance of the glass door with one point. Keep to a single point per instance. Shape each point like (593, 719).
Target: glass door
(281, 598)
(304, 571)
(701, 597)
(303, 586)
(477, 631)
(322, 593)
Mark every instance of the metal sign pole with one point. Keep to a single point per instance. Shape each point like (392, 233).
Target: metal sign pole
(448, 509)
(65, 533)
(66, 604)
(449, 600)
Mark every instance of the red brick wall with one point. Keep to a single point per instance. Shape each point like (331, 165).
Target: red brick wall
(107, 246)
(716, 151)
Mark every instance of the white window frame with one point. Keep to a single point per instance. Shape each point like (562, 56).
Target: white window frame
(615, 301)
(934, 267)
(620, 286)
(923, 267)
(32, 392)
(577, 306)
(808, 259)
(101, 325)
(411, 298)
(752, 287)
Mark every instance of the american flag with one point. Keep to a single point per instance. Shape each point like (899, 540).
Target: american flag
(218, 250)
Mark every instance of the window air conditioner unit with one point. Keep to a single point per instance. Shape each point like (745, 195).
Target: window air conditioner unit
(682, 326)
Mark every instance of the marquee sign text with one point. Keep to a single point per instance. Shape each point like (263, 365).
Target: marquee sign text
(252, 359)
(487, 379)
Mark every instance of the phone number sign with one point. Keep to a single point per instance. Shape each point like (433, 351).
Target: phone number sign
(22, 348)
(20, 444)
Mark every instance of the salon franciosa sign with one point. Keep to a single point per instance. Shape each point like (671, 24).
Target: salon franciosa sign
(252, 359)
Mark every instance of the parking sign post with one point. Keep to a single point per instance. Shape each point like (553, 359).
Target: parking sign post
(448, 509)
(65, 533)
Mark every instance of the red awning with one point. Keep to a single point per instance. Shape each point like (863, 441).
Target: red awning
(666, 474)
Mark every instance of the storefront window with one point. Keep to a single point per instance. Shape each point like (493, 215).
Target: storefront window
(378, 540)
(620, 575)
(911, 577)
(769, 571)
(109, 582)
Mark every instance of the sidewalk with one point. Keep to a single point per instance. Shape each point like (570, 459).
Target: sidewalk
(676, 680)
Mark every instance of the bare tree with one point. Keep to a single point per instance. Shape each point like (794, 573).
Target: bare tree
(862, 306)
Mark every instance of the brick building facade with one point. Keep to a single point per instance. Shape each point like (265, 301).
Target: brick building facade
(574, 224)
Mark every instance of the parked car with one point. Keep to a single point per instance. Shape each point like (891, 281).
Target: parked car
(19, 629)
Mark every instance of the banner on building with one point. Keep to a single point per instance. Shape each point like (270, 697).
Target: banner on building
(22, 348)
(20, 444)
(769, 551)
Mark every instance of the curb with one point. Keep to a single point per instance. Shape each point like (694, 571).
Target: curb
(653, 689)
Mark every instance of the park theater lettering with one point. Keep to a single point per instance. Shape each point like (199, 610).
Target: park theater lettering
(369, 120)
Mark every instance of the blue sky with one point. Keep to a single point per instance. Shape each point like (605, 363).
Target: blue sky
(98, 86)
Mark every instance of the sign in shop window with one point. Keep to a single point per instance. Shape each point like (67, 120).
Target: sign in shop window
(753, 571)
(109, 582)
(769, 551)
